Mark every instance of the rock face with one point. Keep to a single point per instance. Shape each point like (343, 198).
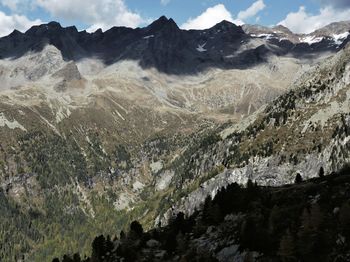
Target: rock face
(321, 103)
(167, 48)
(328, 38)
(103, 128)
(248, 224)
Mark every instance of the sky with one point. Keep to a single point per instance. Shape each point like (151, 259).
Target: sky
(301, 16)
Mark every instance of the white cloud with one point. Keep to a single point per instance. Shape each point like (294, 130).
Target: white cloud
(252, 11)
(98, 14)
(216, 14)
(209, 18)
(11, 4)
(336, 3)
(17, 6)
(304, 22)
(164, 2)
(10, 22)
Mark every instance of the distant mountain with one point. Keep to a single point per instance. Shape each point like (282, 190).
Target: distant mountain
(171, 50)
(328, 38)
(332, 29)
(99, 129)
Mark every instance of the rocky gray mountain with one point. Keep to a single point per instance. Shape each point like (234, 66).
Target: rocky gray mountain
(328, 38)
(100, 129)
(302, 131)
(171, 50)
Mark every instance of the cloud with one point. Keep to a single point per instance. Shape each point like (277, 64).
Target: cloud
(209, 18)
(336, 3)
(164, 2)
(17, 6)
(216, 14)
(252, 11)
(11, 4)
(97, 14)
(10, 22)
(304, 22)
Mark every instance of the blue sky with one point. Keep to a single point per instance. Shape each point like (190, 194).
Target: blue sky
(301, 16)
(182, 10)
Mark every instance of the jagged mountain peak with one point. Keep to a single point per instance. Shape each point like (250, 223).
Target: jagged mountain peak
(329, 38)
(283, 29)
(164, 46)
(54, 24)
(333, 29)
(98, 31)
(161, 23)
(15, 33)
(228, 26)
(41, 29)
(134, 116)
(51, 30)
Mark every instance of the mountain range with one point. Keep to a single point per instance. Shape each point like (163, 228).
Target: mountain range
(99, 129)
(164, 46)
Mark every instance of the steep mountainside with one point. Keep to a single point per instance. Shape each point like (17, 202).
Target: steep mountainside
(302, 131)
(307, 221)
(101, 129)
(162, 45)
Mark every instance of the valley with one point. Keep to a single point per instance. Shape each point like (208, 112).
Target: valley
(99, 129)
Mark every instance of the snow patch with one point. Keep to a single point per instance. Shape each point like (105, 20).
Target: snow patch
(311, 39)
(10, 124)
(230, 56)
(339, 39)
(119, 115)
(201, 48)
(62, 114)
(148, 37)
(267, 36)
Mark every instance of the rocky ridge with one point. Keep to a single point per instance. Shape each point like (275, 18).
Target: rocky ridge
(335, 35)
(87, 141)
(318, 103)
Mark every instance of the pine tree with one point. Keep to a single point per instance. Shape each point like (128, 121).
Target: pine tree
(344, 219)
(321, 172)
(298, 179)
(98, 248)
(136, 228)
(287, 248)
(309, 232)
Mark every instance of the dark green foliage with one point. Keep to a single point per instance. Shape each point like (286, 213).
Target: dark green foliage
(298, 179)
(122, 155)
(210, 140)
(101, 248)
(211, 212)
(321, 172)
(281, 224)
(49, 155)
(16, 230)
(136, 228)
